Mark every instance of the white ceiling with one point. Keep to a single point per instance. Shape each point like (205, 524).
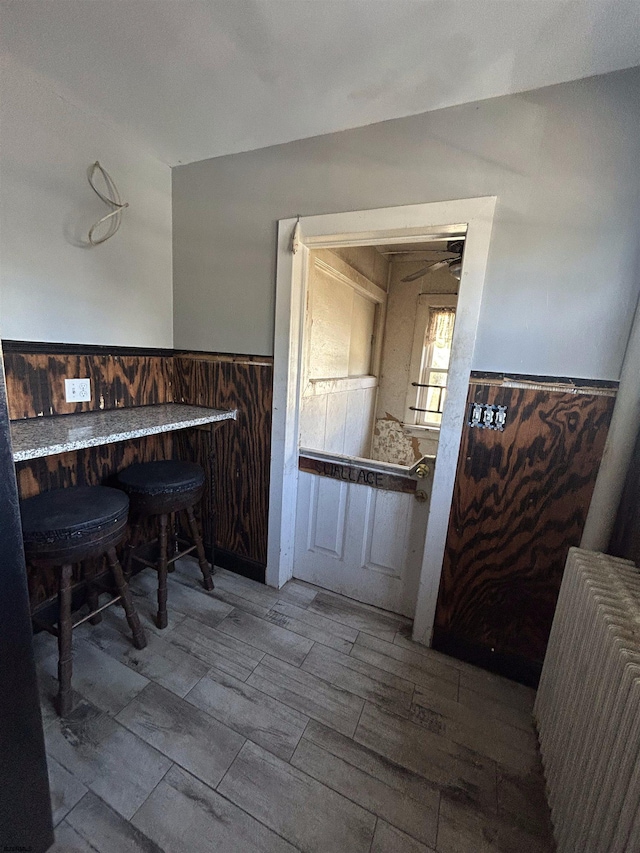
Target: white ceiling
(200, 78)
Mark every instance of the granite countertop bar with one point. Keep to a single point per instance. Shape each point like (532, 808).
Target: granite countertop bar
(34, 438)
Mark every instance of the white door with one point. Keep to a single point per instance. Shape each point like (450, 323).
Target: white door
(363, 541)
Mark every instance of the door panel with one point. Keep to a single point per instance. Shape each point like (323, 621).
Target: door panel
(327, 509)
(386, 529)
(360, 540)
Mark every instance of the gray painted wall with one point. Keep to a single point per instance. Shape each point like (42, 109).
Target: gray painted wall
(562, 279)
(54, 287)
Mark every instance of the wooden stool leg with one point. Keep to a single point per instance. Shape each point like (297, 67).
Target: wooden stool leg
(65, 659)
(139, 638)
(128, 560)
(173, 543)
(202, 560)
(162, 619)
(89, 569)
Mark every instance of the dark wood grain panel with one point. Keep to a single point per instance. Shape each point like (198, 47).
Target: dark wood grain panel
(625, 540)
(520, 501)
(242, 448)
(35, 385)
(35, 382)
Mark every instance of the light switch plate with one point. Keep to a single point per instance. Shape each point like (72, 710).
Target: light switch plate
(77, 390)
(486, 416)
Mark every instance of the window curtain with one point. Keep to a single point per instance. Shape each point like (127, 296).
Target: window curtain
(440, 330)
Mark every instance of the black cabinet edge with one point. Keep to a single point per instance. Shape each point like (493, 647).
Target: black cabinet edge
(25, 803)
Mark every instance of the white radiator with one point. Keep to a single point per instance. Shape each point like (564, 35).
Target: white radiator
(588, 707)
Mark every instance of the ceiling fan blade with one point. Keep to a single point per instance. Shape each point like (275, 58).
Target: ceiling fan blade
(420, 252)
(444, 256)
(415, 275)
(431, 268)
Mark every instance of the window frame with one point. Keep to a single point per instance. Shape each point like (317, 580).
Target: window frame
(426, 303)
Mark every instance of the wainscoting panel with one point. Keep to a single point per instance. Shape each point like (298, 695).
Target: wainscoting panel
(35, 382)
(237, 523)
(242, 450)
(520, 501)
(35, 388)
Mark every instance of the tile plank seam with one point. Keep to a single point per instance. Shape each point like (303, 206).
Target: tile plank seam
(255, 818)
(301, 665)
(236, 805)
(174, 764)
(213, 667)
(336, 622)
(371, 671)
(414, 686)
(171, 766)
(486, 758)
(346, 796)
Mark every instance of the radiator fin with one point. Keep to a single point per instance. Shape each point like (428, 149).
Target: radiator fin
(588, 707)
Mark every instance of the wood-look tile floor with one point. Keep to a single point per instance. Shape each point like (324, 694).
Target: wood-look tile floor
(289, 720)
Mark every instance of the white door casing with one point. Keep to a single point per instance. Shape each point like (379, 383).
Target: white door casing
(472, 217)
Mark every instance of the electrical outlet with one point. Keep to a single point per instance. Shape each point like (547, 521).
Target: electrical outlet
(77, 390)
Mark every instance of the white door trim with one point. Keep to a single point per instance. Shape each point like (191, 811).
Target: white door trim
(373, 227)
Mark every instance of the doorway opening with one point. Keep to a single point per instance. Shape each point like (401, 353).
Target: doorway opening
(334, 353)
(377, 340)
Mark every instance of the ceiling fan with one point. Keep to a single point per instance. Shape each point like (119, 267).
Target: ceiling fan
(455, 249)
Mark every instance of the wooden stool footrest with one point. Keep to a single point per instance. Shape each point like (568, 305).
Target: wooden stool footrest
(153, 563)
(51, 628)
(97, 610)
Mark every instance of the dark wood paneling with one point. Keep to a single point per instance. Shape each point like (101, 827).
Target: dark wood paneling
(520, 501)
(35, 386)
(625, 541)
(35, 382)
(25, 806)
(242, 448)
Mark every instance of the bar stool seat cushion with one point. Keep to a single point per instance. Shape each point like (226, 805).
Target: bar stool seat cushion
(167, 477)
(71, 513)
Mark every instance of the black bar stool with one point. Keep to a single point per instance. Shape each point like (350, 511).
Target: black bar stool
(66, 526)
(162, 489)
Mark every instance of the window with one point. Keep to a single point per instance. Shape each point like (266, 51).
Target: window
(432, 385)
(429, 373)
